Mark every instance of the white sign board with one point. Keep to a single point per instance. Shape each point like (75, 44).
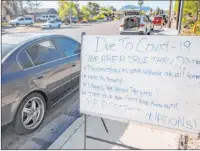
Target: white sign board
(153, 80)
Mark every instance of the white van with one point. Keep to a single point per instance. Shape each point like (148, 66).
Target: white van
(134, 23)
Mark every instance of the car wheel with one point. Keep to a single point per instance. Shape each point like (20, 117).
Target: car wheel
(13, 25)
(59, 26)
(30, 114)
(30, 24)
(17, 24)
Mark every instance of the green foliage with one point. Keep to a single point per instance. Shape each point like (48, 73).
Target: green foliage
(106, 11)
(190, 7)
(64, 9)
(142, 13)
(93, 8)
(99, 17)
(85, 12)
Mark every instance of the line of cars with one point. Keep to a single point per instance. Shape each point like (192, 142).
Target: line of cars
(134, 23)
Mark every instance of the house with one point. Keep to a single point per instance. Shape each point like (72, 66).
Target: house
(34, 13)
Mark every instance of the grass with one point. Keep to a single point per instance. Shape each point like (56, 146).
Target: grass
(3, 24)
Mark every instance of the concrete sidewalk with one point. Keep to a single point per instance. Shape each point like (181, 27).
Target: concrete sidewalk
(121, 133)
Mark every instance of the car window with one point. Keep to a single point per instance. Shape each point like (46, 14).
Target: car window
(43, 52)
(24, 60)
(145, 19)
(21, 19)
(68, 46)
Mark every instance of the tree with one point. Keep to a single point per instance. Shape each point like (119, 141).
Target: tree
(93, 8)
(78, 10)
(190, 7)
(64, 9)
(140, 2)
(10, 8)
(85, 12)
(106, 11)
(33, 5)
(157, 11)
(112, 8)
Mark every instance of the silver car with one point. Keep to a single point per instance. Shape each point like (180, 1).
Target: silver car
(37, 70)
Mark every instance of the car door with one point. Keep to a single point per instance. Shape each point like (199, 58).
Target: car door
(50, 70)
(22, 21)
(71, 50)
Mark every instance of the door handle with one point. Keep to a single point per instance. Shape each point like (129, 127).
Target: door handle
(39, 77)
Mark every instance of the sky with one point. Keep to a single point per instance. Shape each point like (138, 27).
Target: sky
(117, 4)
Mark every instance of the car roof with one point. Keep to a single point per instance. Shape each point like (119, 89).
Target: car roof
(18, 38)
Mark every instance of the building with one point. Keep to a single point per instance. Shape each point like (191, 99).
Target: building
(34, 13)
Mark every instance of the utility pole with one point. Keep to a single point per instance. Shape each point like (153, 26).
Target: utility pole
(178, 14)
(170, 14)
(70, 12)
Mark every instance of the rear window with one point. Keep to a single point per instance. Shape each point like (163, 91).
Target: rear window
(6, 48)
(158, 18)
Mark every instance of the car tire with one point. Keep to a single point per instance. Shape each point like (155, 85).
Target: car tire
(13, 25)
(59, 26)
(17, 24)
(30, 24)
(27, 111)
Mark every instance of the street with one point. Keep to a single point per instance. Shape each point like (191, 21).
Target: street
(65, 112)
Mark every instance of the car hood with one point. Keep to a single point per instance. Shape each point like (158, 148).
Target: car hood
(14, 20)
(46, 24)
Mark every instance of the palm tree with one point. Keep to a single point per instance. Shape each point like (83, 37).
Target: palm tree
(157, 11)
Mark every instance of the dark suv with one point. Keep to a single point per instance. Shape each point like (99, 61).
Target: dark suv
(36, 71)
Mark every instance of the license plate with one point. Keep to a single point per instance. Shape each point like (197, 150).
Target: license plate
(134, 28)
(157, 20)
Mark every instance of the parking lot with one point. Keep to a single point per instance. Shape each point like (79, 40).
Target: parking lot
(69, 105)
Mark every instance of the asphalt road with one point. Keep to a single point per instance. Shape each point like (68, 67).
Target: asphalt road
(64, 113)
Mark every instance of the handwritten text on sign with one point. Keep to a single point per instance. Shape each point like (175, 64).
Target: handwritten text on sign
(153, 79)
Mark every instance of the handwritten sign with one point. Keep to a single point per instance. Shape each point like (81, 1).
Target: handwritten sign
(153, 80)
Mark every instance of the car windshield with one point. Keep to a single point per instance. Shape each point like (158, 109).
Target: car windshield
(6, 48)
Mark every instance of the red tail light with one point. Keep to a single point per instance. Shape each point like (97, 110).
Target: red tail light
(141, 25)
(122, 25)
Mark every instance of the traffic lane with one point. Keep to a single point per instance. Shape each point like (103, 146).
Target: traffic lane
(12, 140)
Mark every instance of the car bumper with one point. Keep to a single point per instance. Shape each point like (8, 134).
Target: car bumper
(43, 27)
(8, 112)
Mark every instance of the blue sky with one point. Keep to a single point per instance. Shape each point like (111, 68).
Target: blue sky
(117, 4)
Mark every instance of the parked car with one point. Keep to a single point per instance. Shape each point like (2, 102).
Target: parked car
(37, 70)
(165, 17)
(22, 21)
(135, 24)
(84, 21)
(47, 17)
(158, 21)
(74, 20)
(54, 23)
